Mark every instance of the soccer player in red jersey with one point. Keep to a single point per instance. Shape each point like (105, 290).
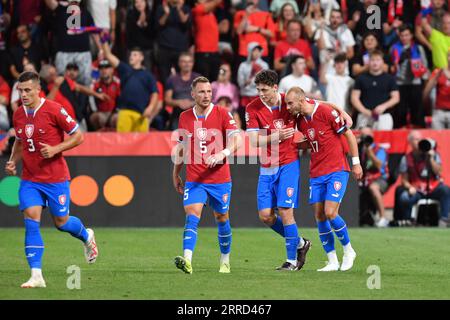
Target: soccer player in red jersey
(271, 126)
(40, 126)
(329, 170)
(203, 132)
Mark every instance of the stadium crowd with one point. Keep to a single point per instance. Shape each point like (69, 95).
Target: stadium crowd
(391, 76)
(388, 68)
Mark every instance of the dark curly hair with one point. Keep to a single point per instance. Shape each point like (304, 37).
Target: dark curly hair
(267, 77)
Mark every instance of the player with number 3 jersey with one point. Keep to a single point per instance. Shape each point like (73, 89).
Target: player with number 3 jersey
(40, 125)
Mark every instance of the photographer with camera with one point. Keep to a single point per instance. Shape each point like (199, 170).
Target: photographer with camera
(375, 172)
(420, 170)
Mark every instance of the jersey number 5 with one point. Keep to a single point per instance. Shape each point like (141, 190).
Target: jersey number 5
(31, 147)
(203, 147)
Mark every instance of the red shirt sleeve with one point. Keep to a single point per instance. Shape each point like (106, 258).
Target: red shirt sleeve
(65, 121)
(334, 119)
(251, 119)
(228, 123)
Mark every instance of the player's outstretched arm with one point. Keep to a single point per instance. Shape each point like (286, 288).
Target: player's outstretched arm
(74, 140)
(177, 157)
(16, 156)
(353, 145)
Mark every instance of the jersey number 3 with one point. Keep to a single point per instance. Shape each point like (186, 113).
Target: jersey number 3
(31, 146)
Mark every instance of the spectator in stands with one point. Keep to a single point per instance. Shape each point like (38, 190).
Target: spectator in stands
(434, 18)
(173, 33)
(26, 51)
(293, 45)
(287, 14)
(358, 19)
(338, 84)
(374, 160)
(440, 79)
(298, 78)
(5, 94)
(410, 64)
(225, 20)
(15, 98)
(420, 172)
(138, 92)
(253, 25)
(313, 20)
(335, 38)
(369, 43)
(5, 27)
(276, 7)
(374, 93)
(438, 40)
(226, 102)
(104, 14)
(29, 13)
(223, 87)
(206, 38)
(178, 88)
(140, 29)
(72, 48)
(105, 116)
(68, 92)
(247, 72)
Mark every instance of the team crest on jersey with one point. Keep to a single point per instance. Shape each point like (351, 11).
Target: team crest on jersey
(202, 133)
(311, 133)
(337, 185)
(278, 123)
(29, 129)
(225, 198)
(290, 192)
(62, 199)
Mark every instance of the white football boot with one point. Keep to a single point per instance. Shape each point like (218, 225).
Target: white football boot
(36, 280)
(90, 247)
(348, 259)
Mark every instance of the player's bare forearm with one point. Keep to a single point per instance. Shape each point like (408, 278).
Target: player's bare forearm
(234, 143)
(74, 140)
(353, 145)
(16, 151)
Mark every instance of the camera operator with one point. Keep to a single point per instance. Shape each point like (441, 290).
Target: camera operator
(375, 171)
(420, 170)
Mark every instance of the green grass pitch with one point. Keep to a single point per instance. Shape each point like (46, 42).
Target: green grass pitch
(138, 264)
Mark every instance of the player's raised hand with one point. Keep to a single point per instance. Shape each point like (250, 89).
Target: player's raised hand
(178, 184)
(286, 133)
(214, 159)
(357, 171)
(47, 151)
(10, 168)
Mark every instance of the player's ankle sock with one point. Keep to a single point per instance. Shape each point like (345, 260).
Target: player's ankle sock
(278, 226)
(36, 273)
(301, 243)
(340, 229)
(332, 257)
(75, 227)
(225, 258)
(187, 254)
(34, 246)
(190, 233)
(326, 235)
(348, 248)
(224, 229)
(292, 240)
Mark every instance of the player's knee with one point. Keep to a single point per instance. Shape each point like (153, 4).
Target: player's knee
(60, 221)
(320, 216)
(331, 213)
(221, 217)
(267, 219)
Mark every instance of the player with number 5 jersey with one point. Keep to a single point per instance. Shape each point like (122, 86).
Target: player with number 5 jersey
(40, 125)
(329, 170)
(207, 135)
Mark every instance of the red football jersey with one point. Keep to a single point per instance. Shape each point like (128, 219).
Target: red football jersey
(259, 116)
(323, 131)
(204, 136)
(46, 124)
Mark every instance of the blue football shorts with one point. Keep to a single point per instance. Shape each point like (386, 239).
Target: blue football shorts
(217, 195)
(330, 187)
